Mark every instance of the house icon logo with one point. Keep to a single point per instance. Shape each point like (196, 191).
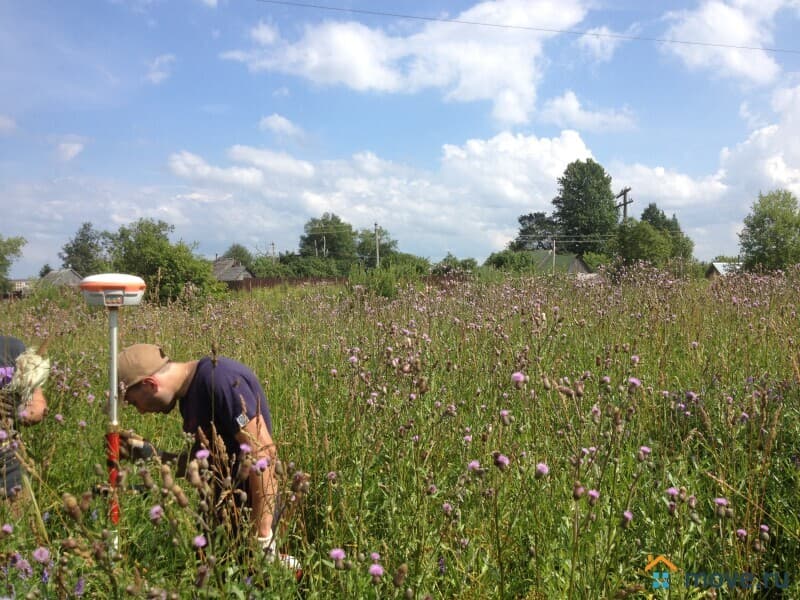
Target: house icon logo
(660, 569)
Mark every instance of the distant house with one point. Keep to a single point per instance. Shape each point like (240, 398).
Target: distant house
(564, 263)
(229, 269)
(62, 277)
(722, 269)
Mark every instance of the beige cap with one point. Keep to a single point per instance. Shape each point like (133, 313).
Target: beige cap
(139, 361)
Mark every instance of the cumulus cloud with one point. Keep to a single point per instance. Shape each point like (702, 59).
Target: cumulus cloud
(7, 125)
(566, 111)
(273, 162)
(280, 125)
(742, 23)
(160, 69)
(190, 166)
(502, 65)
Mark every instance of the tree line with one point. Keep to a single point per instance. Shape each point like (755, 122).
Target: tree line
(585, 221)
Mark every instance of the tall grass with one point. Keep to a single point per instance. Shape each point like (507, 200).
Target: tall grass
(523, 438)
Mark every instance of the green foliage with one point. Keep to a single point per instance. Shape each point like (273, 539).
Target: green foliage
(45, 270)
(771, 236)
(407, 266)
(639, 240)
(629, 390)
(451, 264)
(169, 270)
(594, 260)
(365, 246)
(10, 250)
(267, 267)
(584, 207)
(328, 237)
(240, 254)
(513, 261)
(85, 253)
(682, 245)
(536, 231)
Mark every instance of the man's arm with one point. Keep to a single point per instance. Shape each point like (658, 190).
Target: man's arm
(263, 484)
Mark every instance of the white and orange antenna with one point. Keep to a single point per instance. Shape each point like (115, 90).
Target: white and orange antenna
(113, 290)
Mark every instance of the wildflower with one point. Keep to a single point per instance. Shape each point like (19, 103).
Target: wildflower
(376, 570)
(671, 507)
(605, 379)
(467, 438)
(578, 491)
(374, 556)
(59, 418)
(333, 372)
(501, 461)
(82, 424)
(337, 554)
(542, 470)
(202, 454)
(199, 541)
(3, 435)
(22, 565)
(672, 492)
(721, 501)
(518, 377)
(245, 448)
(473, 465)
(633, 383)
(645, 450)
(627, 517)
(505, 417)
(80, 587)
(7, 528)
(763, 533)
(353, 360)
(593, 496)
(156, 513)
(741, 534)
(447, 508)
(262, 464)
(90, 398)
(634, 360)
(331, 476)
(41, 555)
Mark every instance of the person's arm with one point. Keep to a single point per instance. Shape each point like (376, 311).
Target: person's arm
(263, 486)
(33, 411)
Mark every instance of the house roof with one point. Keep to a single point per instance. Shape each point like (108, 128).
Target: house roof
(62, 277)
(229, 269)
(724, 268)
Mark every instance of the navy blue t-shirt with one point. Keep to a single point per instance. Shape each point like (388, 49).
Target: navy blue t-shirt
(227, 394)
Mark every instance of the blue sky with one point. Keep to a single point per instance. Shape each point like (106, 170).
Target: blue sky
(238, 121)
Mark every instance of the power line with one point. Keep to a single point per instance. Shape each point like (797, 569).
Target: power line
(577, 32)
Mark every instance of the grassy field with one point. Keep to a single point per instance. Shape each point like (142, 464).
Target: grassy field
(527, 438)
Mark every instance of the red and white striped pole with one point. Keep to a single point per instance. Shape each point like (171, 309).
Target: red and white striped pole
(113, 290)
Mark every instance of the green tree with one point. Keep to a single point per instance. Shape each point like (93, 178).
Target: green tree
(169, 270)
(682, 245)
(536, 231)
(45, 270)
(241, 254)
(771, 235)
(365, 246)
(328, 237)
(585, 210)
(639, 240)
(10, 250)
(85, 252)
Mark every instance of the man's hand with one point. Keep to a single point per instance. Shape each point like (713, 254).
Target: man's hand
(132, 446)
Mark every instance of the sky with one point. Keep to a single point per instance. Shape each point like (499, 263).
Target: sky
(237, 121)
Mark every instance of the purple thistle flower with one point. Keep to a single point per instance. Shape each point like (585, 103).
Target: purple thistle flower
(199, 541)
(376, 570)
(473, 465)
(262, 464)
(447, 508)
(59, 418)
(41, 555)
(672, 492)
(721, 501)
(741, 533)
(634, 382)
(627, 516)
(645, 450)
(80, 587)
(764, 528)
(82, 424)
(337, 554)
(542, 470)
(156, 513)
(634, 359)
(501, 461)
(593, 496)
(331, 476)
(7, 528)
(245, 448)
(467, 438)
(202, 454)
(518, 377)
(375, 556)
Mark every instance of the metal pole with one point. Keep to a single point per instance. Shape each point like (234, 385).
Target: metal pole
(112, 433)
(377, 248)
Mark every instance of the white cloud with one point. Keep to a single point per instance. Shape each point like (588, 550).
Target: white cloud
(566, 111)
(160, 69)
(69, 148)
(192, 167)
(280, 125)
(7, 124)
(734, 23)
(278, 163)
(210, 3)
(599, 43)
(499, 65)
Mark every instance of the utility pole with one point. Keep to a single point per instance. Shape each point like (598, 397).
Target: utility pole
(273, 251)
(624, 203)
(554, 257)
(377, 248)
